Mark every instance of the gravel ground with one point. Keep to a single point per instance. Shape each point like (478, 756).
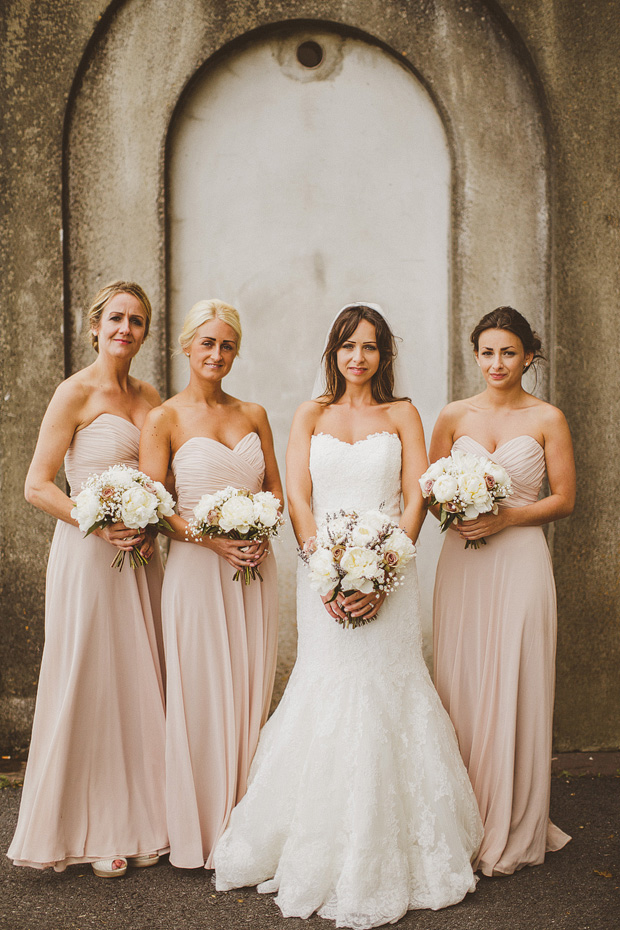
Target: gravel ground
(577, 888)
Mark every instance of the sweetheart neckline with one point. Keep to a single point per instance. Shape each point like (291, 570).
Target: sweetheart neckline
(502, 444)
(217, 442)
(116, 416)
(357, 441)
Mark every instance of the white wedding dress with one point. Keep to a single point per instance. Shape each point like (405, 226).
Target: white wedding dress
(358, 804)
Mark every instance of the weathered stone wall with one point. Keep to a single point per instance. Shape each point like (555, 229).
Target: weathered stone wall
(571, 53)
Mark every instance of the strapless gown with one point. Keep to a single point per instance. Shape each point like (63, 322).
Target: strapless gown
(221, 644)
(94, 784)
(494, 644)
(358, 804)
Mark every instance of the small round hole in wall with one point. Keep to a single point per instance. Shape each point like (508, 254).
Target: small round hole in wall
(309, 54)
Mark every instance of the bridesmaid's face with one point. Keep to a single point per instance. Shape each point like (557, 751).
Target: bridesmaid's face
(213, 350)
(501, 357)
(358, 358)
(122, 326)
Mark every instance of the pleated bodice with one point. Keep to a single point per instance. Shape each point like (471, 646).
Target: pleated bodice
(108, 440)
(216, 467)
(523, 458)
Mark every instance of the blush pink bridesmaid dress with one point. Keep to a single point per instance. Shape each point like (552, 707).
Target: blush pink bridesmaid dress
(95, 780)
(221, 643)
(494, 623)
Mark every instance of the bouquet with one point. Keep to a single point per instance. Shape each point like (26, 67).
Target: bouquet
(357, 552)
(465, 485)
(122, 495)
(237, 514)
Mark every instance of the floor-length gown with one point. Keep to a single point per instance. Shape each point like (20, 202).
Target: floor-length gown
(358, 803)
(95, 780)
(495, 634)
(221, 642)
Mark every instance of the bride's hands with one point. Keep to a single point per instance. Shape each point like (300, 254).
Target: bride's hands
(355, 605)
(240, 553)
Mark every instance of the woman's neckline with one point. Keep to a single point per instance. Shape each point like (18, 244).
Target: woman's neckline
(501, 444)
(357, 441)
(116, 416)
(218, 442)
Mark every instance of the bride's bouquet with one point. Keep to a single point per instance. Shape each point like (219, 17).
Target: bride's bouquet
(357, 552)
(123, 495)
(237, 514)
(465, 485)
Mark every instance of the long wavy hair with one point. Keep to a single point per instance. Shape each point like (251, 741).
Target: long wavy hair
(382, 384)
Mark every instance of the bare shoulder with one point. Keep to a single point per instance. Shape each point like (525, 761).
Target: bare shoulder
(72, 395)
(455, 411)
(162, 416)
(147, 391)
(404, 415)
(550, 418)
(254, 412)
(308, 413)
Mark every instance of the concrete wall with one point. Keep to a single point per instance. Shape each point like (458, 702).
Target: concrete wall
(552, 73)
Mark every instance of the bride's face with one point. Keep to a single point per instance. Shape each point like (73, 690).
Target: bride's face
(358, 358)
(213, 350)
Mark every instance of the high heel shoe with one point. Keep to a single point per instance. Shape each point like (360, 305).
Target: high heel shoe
(104, 868)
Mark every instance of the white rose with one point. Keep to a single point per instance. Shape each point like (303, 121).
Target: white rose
(466, 463)
(376, 519)
(362, 567)
(323, 573)
(165, 506)
(435, 470)
(120, 477)
(203, 508)
(332, 532)
(266, 509)
(363, 535)
(473, 491)
(87, 510)
(138, 508)
(237, 514)
(445, 488)
(399, 543)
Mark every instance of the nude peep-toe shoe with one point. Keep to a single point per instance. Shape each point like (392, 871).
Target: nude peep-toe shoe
(104, 868)
(143, 862)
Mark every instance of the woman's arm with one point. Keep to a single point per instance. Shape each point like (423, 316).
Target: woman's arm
(298, 480)
(58, 427)
(442, 441)
(272, 481)
(62, 418)
(414, 464)
(559, 503)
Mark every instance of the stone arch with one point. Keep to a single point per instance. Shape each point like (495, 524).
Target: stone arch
(146, 57)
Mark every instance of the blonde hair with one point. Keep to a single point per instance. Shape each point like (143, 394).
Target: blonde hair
(203, 312)
(103, 298)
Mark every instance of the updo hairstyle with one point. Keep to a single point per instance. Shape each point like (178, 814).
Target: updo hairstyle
(103, 298)
(514, 322)
(203, 312)
(382, 384)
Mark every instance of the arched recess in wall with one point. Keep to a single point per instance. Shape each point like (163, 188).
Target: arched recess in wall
(145, 55)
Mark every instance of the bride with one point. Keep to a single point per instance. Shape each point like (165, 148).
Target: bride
(358, 805)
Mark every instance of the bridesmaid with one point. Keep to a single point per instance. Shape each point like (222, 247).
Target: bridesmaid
(220, 635)
(94, 784)
(495, 607)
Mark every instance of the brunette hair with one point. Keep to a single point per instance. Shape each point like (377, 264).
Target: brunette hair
(382, 384)
(103, 298)
(514, 322)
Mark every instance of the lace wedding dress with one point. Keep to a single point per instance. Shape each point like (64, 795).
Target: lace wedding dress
(358, 804)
